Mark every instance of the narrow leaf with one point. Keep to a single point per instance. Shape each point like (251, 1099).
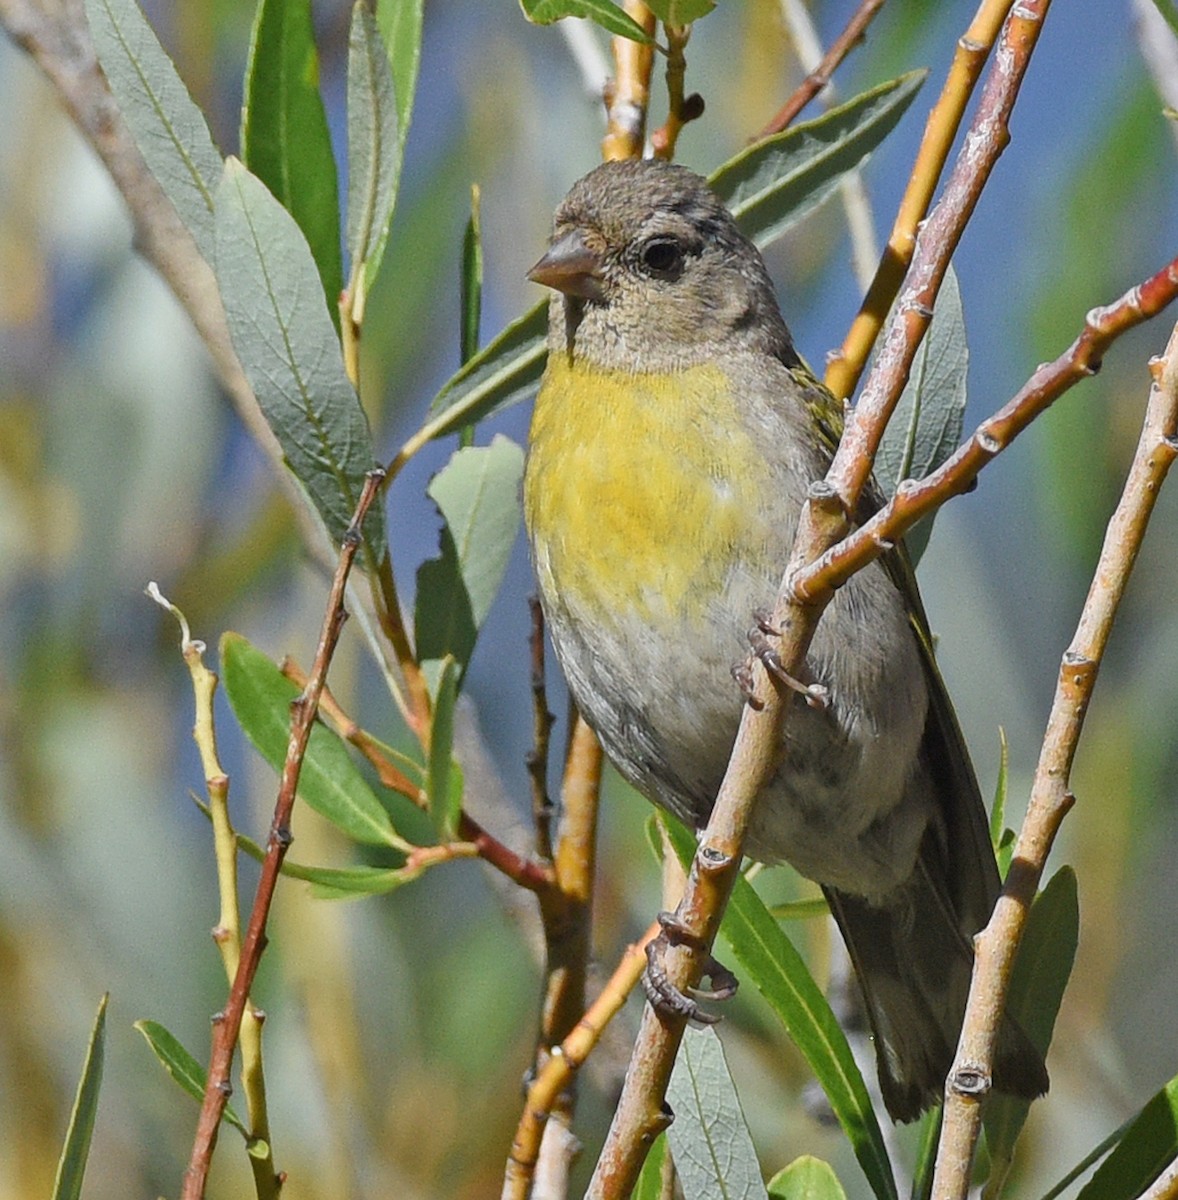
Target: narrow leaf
(602, 12)
(330, 782)
(650, 1178)
(998, 811)
(1037, 984)
(1169, 13)
(680, 12)
(709, 1137)
(774, 183)
(284, 136)
(352, 883)
(770, 962)
(183, 1068)
(926, 425)
(471, 307)
(504, 371)
(71, 1167)
(375, 149)
(168, 128)
(445, 800)
(1150, 1144)
(477, 493)
(288, 348)
(337, 883)
(806, 1178)
(400, 29)
(929, 1130)
(800, 910)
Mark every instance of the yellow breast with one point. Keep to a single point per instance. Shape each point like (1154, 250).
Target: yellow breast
(642, 491)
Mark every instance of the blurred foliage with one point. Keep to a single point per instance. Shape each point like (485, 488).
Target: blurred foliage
(400, 1027)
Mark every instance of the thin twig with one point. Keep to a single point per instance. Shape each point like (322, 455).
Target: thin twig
(536, 877)
(680, 108)
(566, 914)
(556, 1076)
(227, 1023)
(997, 944)
(542, 722)
(847, 363)
(713, 872)
(227, 931)
(820, 76)
(627, 95)
(915, 499)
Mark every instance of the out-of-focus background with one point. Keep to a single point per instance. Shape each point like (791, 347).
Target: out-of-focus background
(399, 1028)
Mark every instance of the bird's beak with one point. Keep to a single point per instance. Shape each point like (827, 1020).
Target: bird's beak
(570, 267)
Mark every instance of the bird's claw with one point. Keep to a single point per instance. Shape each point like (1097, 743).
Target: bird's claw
(816, 695)
(665, 998)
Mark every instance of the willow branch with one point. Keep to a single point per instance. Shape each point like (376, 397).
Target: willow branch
(639, 1114)
(973, 48)
(916, 499)
(227, 932)
(226, 1024)
(820, 76)
(556, 1076)
(536, 877)
(627, 95)
(997, 944)
(681, 108)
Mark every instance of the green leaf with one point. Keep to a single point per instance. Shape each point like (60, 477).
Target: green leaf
(806, 1178)
(352, 883)
(183, 1068)
(770, 962)
(330, 782)
(998, 811)
(650, 1178)
(768, 187)
(477, 493)
(602, 12)
(290, 353)
(1169, 13)
(504, 371)
(400, 29)
(929, 1130)
(1148, 1147)
(375, 149)
(165, 122)
(71, 1167)
(1093, 1156)
(680, 12)
(926, 425)
(800, 910)
(1037, 984)
(471, 307)
(444, 780)
(337, 883)
(709, 1137)
(774, 183)
(284, 136)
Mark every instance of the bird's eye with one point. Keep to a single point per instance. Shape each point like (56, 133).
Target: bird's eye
(662, 255)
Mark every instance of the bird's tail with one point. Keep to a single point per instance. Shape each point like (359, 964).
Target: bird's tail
(914, 963)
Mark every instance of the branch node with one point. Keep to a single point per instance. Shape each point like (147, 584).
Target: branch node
(970, 1079)
(987, 442)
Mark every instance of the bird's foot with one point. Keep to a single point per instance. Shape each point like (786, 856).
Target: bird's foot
(665, 998)
(816, 695)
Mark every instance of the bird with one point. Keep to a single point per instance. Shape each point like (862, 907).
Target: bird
(674, 438)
